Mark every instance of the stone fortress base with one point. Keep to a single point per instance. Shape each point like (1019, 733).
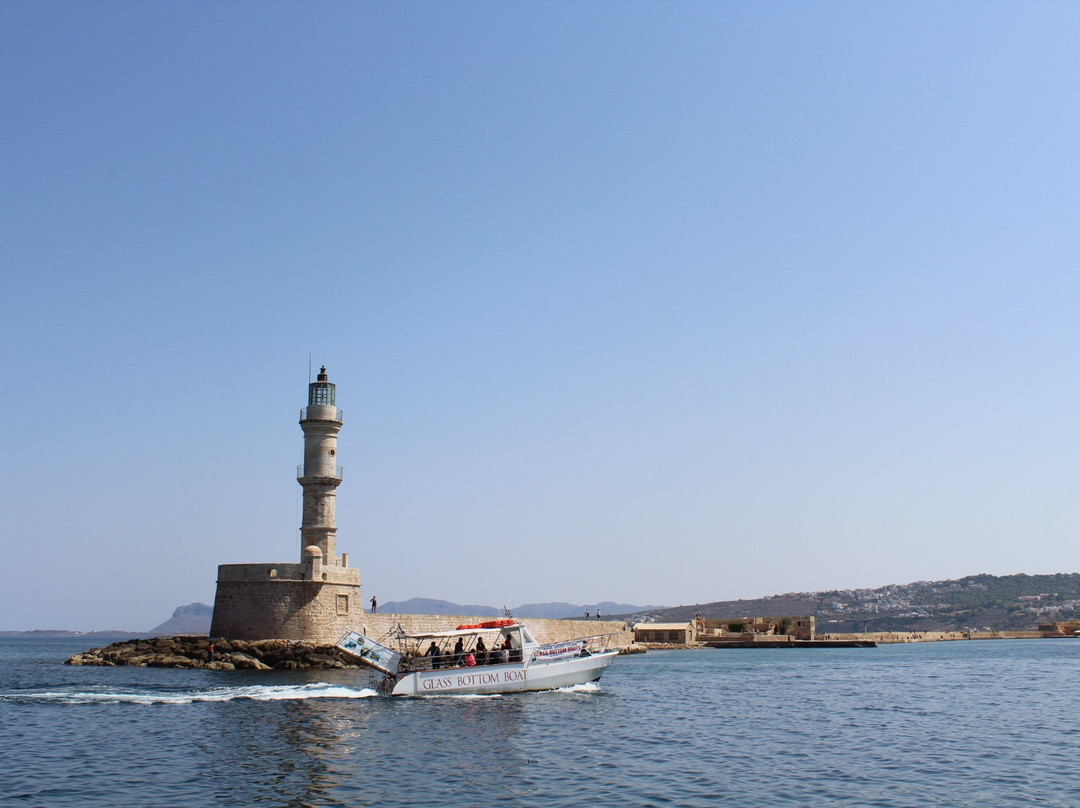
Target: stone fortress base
(285, 602)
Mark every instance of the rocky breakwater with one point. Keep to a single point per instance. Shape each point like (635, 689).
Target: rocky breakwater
(228, 655)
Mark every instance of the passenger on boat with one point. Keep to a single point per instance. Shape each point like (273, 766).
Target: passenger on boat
(481, 652)
(433, 652)
(459, 653)
(513, 654)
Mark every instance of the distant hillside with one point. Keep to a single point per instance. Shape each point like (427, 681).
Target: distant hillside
(432, 606)
(192, 619)
(1009, 602)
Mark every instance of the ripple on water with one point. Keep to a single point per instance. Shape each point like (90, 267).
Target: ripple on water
(987, 724)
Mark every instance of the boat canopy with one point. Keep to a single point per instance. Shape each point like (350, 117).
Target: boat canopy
(461, 632)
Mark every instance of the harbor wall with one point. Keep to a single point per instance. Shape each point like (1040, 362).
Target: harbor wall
(884, 637)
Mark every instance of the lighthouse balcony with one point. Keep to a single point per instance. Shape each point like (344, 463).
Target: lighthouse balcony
(321, 412)
(320, 473)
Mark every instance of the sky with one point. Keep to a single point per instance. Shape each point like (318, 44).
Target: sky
(646, 302)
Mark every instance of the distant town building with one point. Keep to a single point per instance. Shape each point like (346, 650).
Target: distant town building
(798, 627)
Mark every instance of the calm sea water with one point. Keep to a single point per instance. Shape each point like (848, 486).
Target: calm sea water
(947, 724)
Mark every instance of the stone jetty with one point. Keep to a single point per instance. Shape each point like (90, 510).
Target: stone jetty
(229, 655)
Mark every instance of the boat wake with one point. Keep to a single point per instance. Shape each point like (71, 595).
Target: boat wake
(217, 694)
(587, 687)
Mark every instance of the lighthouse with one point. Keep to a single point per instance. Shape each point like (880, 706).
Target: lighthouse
(320, 474)
(317, 599)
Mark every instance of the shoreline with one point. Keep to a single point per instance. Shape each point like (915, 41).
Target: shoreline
(868, 639)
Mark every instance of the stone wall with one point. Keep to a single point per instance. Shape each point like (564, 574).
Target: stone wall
(882, 637)
(313, 570)
(285, 609)
(252, 605)
(1067, 628)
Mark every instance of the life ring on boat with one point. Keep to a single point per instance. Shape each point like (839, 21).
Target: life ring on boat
(487, 624)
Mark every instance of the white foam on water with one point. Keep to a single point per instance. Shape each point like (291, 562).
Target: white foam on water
(587, 687)
(316, 690)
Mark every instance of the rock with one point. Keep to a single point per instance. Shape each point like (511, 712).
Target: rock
(193, 652)
(171, 661)
(322, 661)
(246, 662)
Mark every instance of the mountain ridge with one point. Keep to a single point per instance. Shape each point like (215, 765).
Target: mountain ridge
(982, 601)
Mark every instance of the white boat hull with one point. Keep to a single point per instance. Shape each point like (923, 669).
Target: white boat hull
(504, 678)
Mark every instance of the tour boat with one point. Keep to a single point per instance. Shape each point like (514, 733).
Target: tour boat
(497, 656)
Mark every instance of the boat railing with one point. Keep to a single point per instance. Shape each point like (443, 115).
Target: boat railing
(601, 643)
(449, 660)
(578, 647)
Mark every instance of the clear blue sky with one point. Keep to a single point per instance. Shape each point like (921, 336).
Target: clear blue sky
(645, 302)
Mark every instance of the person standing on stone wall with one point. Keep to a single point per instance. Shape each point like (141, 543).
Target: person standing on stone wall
(374, 604)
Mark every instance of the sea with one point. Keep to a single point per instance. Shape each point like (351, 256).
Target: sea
(971, 723)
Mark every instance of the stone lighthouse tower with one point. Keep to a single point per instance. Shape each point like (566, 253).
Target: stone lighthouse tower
(319, 598)
(320, 475)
